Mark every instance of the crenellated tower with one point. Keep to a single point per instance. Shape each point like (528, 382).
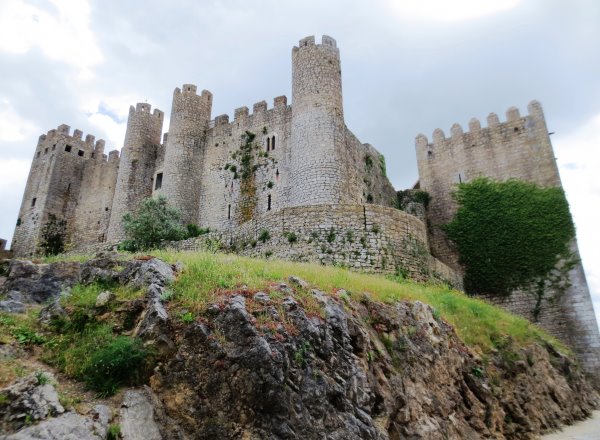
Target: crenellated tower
(317, 148)
(137, 165)
(181, 176)
(54, 186)
(518, 148)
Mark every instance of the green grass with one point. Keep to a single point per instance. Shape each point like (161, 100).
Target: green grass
(477, 323)
(85, 296)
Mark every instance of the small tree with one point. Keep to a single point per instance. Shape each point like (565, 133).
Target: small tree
(154, 223)
(53, 236)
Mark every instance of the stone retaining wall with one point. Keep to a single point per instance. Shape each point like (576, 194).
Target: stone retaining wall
(369, 238)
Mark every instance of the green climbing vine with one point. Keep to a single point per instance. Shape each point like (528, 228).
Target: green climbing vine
(245, 162)
(512, 235)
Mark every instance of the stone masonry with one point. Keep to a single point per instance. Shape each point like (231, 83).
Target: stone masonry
(519, 148)
(298, 173)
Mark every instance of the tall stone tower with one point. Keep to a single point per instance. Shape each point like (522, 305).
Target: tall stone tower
(317, 129)
(136, 168)
(518, 148)
(190, 116)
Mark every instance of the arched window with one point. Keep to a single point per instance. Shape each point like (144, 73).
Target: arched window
(273, 143)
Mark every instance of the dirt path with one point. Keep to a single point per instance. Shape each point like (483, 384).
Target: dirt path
(586, 430)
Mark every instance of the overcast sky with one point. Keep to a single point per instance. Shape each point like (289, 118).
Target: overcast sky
(409, 66)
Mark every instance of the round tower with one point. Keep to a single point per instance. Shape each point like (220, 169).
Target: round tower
(190, 116)
(136, 167)
(317, 147)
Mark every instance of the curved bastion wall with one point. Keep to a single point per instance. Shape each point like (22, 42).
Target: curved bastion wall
(368, 237)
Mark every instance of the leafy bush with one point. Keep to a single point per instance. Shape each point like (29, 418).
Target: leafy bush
(264, 235)
(154, 223)
(122, 361)
(195, 231)
(510, 235)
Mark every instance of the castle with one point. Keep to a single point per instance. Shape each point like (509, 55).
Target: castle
(293, 181)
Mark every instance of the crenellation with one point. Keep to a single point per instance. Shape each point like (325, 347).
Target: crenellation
(438, 136)
(512, 114)
(456, 131)
(221, 120)
(295, 169)
(280, 102)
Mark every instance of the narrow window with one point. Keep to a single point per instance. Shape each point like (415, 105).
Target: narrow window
(273, 143)
(68, 148)
(459, 178)
(80, 153)
(268, 144)
(38, 153)
(269, 202)
(69, 187)
(228, 212)
(46, 151)
(53, 147)
(93, 155)
(158, 184)
(33, 202)
(277, 174)
(106, 209)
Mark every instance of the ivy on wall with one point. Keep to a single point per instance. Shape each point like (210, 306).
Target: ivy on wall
(512, 235)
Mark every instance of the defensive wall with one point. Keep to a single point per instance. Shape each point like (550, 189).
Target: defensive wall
(369, 238)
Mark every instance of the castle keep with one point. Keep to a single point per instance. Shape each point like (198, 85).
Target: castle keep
(292, 181)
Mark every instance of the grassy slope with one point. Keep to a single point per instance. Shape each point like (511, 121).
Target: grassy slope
(477, 323)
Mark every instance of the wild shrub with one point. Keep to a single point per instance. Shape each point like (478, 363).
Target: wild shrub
(154, 223)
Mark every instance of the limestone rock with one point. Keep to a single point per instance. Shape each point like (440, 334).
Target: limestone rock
(52, 311)
(143, 273)
(31, 398)
(298, 282)
(12, 306)
(104, 298)
(68, 426)
(137, 417)
(39, 283)
(102, 268)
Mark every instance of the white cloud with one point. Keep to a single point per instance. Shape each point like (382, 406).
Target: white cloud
(12, 127)
(446, 10)
(114, 131)
(62, 32)
(578, 156)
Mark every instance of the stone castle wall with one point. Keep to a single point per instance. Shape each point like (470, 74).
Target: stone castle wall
(519, 148)
(369, 238)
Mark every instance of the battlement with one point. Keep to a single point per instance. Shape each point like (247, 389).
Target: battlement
(145, 108)
(326, 40)
(258, 109)
(63, 131)
(191, 89)
(513, 116)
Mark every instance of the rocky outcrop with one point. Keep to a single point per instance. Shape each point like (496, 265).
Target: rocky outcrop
(259, 369)
(293, 362)
(68, 426)
(28, 400)
(38, 283)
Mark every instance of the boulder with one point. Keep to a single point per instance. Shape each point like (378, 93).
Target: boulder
(104, 298)
(69, 426)
(31, 398)
(102, 268)
(141, 274)
(40, 283)
(137, 416)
